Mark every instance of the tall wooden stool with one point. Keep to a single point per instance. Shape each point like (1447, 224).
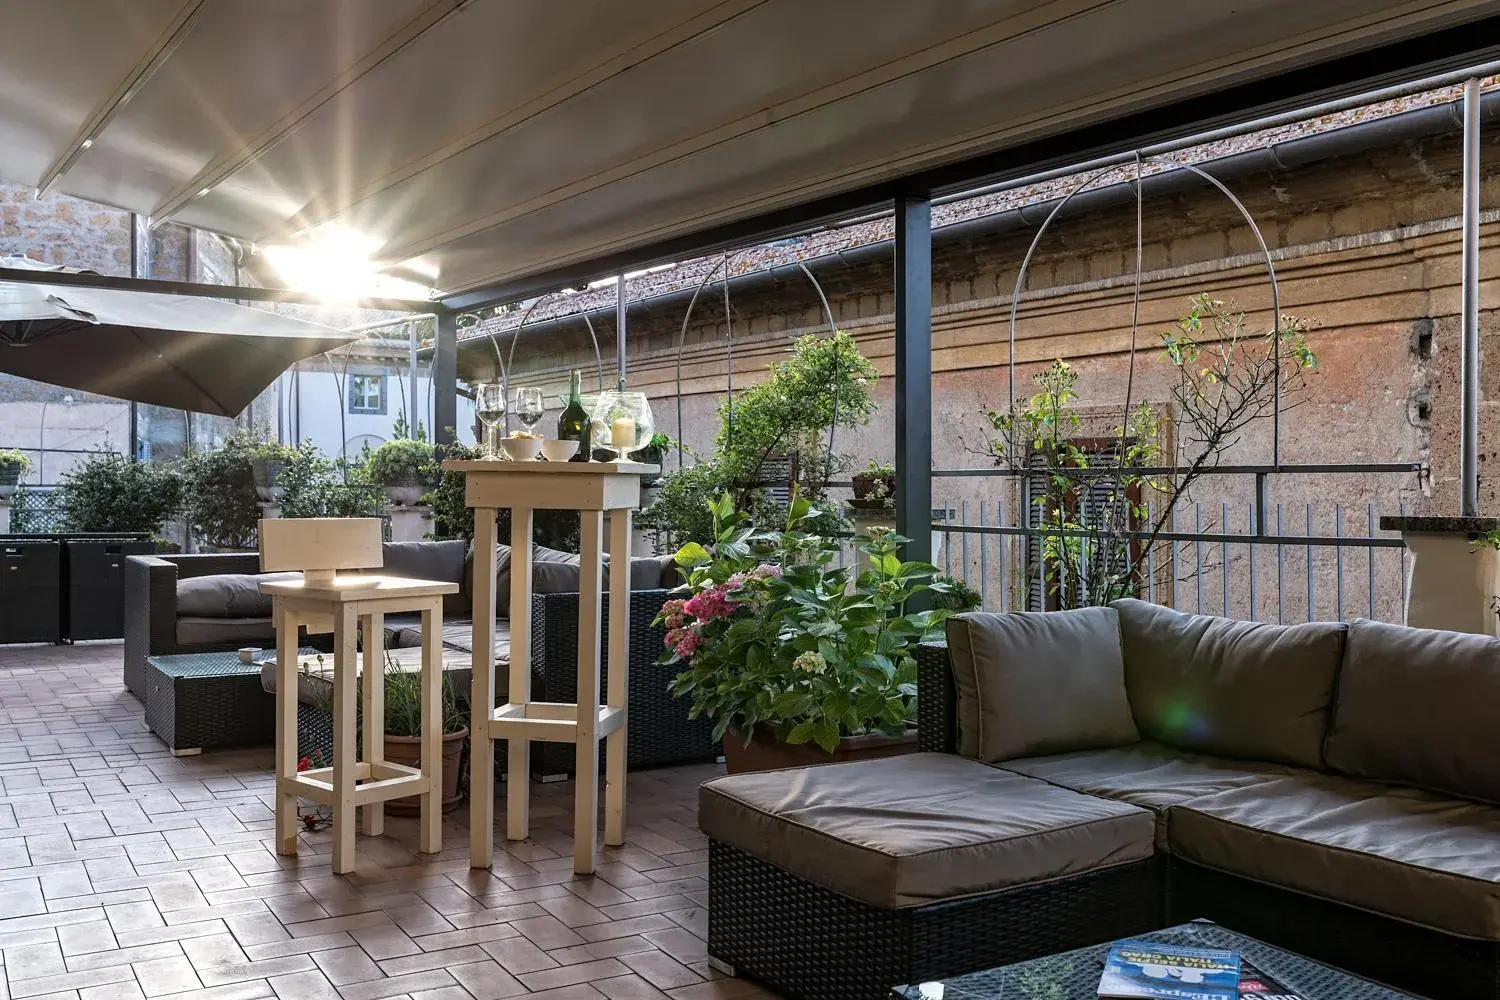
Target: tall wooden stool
(323, 602)
(593, 489)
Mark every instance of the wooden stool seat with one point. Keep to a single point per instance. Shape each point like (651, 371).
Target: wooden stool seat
(324, 602)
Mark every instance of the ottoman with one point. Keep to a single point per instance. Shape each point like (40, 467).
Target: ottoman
(843, 880)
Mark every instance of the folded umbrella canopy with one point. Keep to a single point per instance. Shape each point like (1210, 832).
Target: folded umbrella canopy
(181, 351)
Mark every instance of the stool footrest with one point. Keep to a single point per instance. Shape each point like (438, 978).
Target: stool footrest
(381, 781)
(549, 721)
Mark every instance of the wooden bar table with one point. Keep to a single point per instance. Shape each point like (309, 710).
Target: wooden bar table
(593, 489)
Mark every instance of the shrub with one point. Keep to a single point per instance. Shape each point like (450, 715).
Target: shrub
(219, 499)
(401, 462)
(108, 492)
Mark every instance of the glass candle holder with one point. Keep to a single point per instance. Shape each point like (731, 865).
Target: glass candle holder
(622, 422)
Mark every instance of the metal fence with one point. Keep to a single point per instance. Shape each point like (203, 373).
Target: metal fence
(1251, 556)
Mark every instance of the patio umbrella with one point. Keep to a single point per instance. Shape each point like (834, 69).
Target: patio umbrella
(180, 351)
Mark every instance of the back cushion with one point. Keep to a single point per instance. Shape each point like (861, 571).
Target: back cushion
(1419, 707)
(1232, 688)
(1035, 683)
(443, 561)
(227, 595)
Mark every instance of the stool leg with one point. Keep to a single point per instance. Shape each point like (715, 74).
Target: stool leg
(286, 731)
(586, 761)
(619, 677)
(518, 751)
(482, 695)
(431, 839)
(345, 765)
(373, 814)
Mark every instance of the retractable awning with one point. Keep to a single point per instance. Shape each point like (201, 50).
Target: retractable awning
(490, 142)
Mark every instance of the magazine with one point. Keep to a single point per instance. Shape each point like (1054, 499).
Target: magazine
(1256, 985)
(1155, 971)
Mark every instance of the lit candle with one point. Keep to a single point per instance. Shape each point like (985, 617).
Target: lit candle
(622, 433)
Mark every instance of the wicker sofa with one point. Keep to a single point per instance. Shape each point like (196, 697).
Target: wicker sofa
(160, 590)
(1329, 788)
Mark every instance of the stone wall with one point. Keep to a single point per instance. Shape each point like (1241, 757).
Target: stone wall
(1366, 245)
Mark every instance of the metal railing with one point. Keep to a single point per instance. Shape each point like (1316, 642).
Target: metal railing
(1252, 556)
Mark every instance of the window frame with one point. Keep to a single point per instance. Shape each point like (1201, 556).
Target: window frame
(356, 403)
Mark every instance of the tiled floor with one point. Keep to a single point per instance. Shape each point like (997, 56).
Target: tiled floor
(126, 872)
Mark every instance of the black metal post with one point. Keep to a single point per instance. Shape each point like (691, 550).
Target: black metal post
(914, 374)
(445, 379)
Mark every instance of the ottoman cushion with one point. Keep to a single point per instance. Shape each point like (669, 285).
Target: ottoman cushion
(912, 830)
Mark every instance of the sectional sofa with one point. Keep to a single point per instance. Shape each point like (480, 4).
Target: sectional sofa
(212, 602)
(1332, 788)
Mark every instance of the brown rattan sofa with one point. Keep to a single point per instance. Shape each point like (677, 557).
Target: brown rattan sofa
(208, 603)
(1331, 788)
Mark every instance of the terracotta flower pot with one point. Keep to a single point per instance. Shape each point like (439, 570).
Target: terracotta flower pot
(767, 753)
(408, 750)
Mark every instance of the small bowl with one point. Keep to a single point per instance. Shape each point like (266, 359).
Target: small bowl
(559, 451)
(521, 449)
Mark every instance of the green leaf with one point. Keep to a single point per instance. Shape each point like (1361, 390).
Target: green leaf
(692, 554)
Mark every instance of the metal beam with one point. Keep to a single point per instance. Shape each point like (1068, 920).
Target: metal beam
(228, 164)
(620, 310)
(155, 58)
(445, 379)
(1447, 51)
(914, 374)
(1469, 349)
(248, 293)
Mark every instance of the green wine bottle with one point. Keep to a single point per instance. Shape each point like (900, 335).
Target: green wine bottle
(573, 425)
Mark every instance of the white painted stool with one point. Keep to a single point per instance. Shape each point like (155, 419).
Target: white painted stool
(323, 602)
(593, 489)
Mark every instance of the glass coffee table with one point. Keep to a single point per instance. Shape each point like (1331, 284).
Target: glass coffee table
(1074, 975)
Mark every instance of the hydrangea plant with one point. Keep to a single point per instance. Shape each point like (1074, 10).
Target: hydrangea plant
(772, 635)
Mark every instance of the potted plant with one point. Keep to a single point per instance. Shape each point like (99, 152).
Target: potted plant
(655, 450)
(219, 498)
(268, 459)
(403, 733)
(13, 465)
(875, 488)
(402, 467)
(107, 493)
(796, 660)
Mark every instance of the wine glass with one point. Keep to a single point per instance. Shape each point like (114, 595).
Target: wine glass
(489, 407)
(529, 406)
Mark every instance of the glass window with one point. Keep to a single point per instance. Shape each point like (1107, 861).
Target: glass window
(367, 394)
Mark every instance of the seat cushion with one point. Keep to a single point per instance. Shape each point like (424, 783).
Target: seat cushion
(442, 561)
(1232, 688)
(226, 595)
(907, 831)
(228, 633)
(1039, 682)
(1409, 854)
(1421, 707)
(1147, 774)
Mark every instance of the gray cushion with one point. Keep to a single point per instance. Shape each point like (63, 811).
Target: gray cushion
(226, 595)
(906, 831)
(1412, 855)
(1148, 775)
(1039, 682)
(557, 572)
(1232, 688)
(228, 633)
(442, 561)
(1420, 707)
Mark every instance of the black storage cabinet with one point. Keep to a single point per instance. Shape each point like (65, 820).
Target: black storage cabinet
(30, 590)
(94, 578)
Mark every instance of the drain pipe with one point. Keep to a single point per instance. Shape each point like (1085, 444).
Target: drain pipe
(1469, 356)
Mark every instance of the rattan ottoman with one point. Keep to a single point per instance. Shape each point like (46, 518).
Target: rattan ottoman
(198, 701)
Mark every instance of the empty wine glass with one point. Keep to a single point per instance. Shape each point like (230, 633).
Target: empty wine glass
(489, 407)
(529, 406)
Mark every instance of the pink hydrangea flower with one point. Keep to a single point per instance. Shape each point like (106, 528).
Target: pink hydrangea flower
(708, 604)
(684, 641)
(765, 571)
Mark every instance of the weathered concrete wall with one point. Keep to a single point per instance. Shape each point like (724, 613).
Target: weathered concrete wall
(1366, 246)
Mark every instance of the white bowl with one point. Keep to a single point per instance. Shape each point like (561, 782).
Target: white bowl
(558, 451)
(521, 449)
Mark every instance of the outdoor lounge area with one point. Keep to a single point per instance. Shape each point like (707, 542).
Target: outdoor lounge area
(697, 501)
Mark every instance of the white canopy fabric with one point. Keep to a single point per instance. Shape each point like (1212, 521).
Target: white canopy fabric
(485, 141)
(191, 353)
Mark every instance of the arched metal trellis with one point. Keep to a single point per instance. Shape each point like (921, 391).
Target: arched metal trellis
(724, 265)
(507, 362)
